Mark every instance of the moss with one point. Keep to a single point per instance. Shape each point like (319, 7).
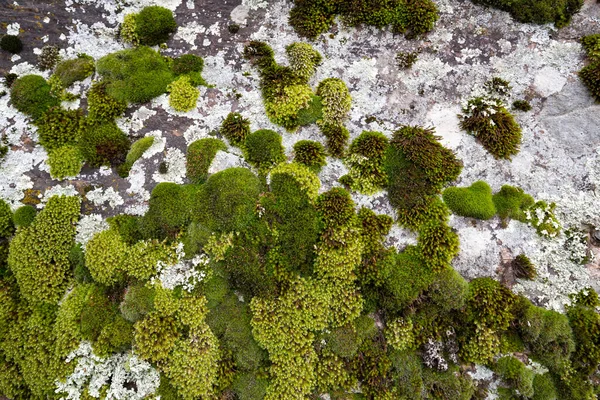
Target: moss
(521, 105)
(30, 94)
(7, 226)
(199, 157)
(45, 246)
(137, 302)
(263, 149)
(76, 69)
(407, 374)
(170, 210)
(58, 127)
(104, 144)
(303, 59)
(447, 385)
(48, 58)
(488, 120)
(312, 113)
(64, 162)
(9, 79)
(337, 138)
(105, 253)
(101, 106)
(310, 18)
(336, 100)
(163, 167)
(511, 203)
(448, 291)
(154, 25)
(284, 109)
(405, 278)
(128, 227)
(135, 75)
(235, 128)
(523, 267)
(585, 323)
(310, 153)
(23, 216)
(11, 43)
(227, 200)
(135, 153)
(249, 386)
(543, 388)
(516, 375)
(365, 162)
(405, 60)
(115, 337)
(538, 11)
(547, 334)
(474, 201)
(183, 95)
(191, 66)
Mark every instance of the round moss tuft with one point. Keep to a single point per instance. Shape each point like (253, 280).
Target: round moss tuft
(199, 157)
(6, 220)
(104, 144)
(11, 43)
(235, 128)
(30, 94)
(154, 25)
(310, 153)
(263, 149)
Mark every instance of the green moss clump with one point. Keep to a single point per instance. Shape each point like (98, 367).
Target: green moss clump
(227, 200)
(543, 388)
(488, 120)
(521, 105)
(6, 220)
(104, 144)
(523, 267)
(23, 216)
(365, 163)
(65, 161)
(303, 59)
(336, 100)
(39, 253)
(405, 60)
(170, 210)
(76, 69)
(137, 302)
(337, 139)
(590, 76)
(249, 386)
(48, 58)
(31, 95)
(263, 149)
(199, 157)
(511, 203)
(135, 75)
(235, 128)
(438, 244)
(474, 201)
(547, 334)
(284, 109)
(516, 375)
(135, 152)
(310, 153)
(538, 11)
(151, 26)
(183, 95)
(11, 43)
(101, 106)
(58, 127)
(310, 18)
(191, 66)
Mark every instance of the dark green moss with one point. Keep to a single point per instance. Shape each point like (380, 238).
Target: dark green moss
(104, 144)
(337, 139)
(514, 372)
(170, 210)
(76, 69)
(521, 105)
(137, 302)
(590, 76)
(58, 127)
(538, 11)
(523, 267)
(312, 113)
(11, 43)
